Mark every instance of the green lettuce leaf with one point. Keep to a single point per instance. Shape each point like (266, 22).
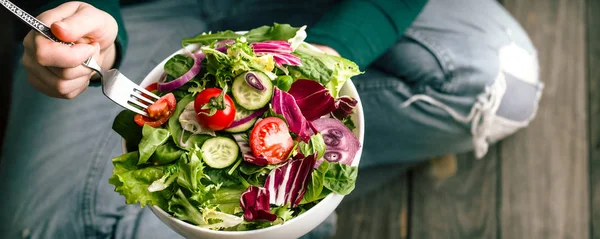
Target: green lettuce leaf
(275, 32)
(191, 171)
(205, 217)
(226, 199)
(171, 173)
(219, 220)
(209, 38)
(181, 208)
(151, 139)
(239, 58)
(124, 125)
(330, 70)
(255, 175)
(340, 178)
(316, 145)
(166, 153)
(221, 177)
(311, 68)
(284, 213)
(315, 186)
(133, 181)
(178, 65)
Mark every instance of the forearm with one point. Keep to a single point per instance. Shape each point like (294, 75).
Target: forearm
(362, 30)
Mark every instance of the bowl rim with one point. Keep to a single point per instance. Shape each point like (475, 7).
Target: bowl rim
(359, 131)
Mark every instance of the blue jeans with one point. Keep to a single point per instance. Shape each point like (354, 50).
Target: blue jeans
(463, 76)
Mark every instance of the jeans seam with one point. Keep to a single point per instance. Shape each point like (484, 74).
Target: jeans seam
(442, 56)
(376, 85)
(89, 191)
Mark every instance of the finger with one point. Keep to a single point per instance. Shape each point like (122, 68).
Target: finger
(39, 76)
(60, 87)
(86, 24)
(41, 87)
(49, 53)
(71, 73)
(77, 91)
(58, 13)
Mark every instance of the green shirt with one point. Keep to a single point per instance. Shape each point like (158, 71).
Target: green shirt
(360, 30)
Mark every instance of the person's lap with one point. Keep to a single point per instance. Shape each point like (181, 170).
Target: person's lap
(56, 158)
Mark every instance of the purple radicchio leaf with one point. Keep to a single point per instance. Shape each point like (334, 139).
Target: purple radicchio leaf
(286, 59)
(284, 104)
(288, 182)
(313, 99)
(247, 154)
(280, 50)
(255, 204)
(343, 107)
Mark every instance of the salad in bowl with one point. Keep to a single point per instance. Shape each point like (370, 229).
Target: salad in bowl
(252, 131)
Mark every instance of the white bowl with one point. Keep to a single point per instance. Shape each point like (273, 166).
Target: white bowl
(294, 228)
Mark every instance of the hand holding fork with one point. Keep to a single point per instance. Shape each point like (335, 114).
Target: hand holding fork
(88, 38)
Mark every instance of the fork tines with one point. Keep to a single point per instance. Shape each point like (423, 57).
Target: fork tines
(139, 100)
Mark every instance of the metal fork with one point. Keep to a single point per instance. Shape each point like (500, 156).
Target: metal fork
(116, 86)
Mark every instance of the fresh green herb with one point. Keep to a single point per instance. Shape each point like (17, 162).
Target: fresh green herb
(316, 145)
(340, 178)
(128, 129)
(178, 65)
(151, 139)
(314, 189)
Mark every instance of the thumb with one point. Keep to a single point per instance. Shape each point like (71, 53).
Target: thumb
(86, 24)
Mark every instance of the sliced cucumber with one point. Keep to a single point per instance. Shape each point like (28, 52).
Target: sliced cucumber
(219, 152)
(240, 113)
(248, 96)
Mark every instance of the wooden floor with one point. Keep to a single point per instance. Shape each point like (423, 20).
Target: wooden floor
(543, 182)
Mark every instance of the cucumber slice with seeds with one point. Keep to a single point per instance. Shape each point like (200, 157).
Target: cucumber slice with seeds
(240, 113)
(219, 152)
(249, 97)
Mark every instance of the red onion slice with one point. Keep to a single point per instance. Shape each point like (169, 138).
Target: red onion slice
(174, 84)
(341, 143)
(253, 80)
(255, 114)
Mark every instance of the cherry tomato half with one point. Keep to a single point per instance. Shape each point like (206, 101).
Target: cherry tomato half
(152, 87)
(159, 112)
(223, 109)
(271, 139)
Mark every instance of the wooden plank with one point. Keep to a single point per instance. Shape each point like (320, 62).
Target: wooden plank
(459, 204)
(593, 51)
(545, 192)
(380, 215)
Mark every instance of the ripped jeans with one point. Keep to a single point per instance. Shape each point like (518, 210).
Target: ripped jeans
(463, 76)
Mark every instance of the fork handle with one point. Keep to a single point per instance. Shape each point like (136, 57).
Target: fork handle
(33, 22)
